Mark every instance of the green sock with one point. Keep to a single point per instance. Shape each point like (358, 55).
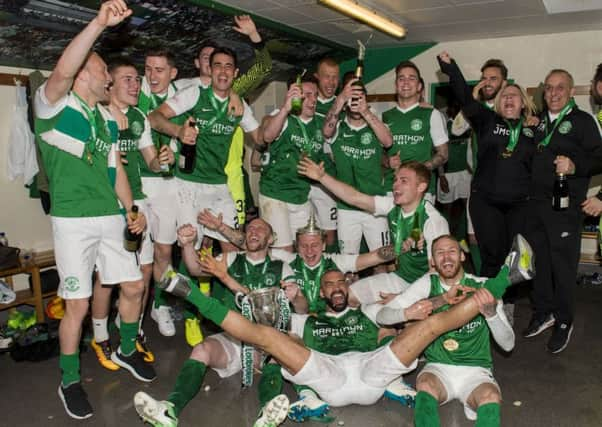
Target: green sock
(69, 364)
(188, 384)
(159, 296)
(475, 254)
(426, 412)
(127, 333)
(270, 384)
(498, 284)
(488, 415)
(209, 307)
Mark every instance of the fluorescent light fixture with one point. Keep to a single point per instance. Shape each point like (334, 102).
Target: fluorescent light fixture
(363, 14)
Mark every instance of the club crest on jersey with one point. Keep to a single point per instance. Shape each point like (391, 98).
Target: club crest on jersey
(351, 321)
(366, 138)
(528, 133)
(270, 279)
(565, 127)
(136, 128)
(416, 125)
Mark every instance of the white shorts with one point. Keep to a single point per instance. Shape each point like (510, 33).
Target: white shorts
(460, 382)
(368, 289)
(352, 225)
(459, 187)
(350, 378)
(145, 256)
(193, 197)
(82, 243)
(324, 207)
(232, 348)
(285, 218)
(161, 200)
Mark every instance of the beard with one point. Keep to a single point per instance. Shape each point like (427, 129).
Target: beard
(339, 306)
(449, 275)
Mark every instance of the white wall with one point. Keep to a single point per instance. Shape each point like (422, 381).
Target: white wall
(528, 59)
(21, 218)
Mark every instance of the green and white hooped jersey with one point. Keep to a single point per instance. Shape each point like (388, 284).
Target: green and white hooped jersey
(358, 159)
(337, 333)
(416, 132)
(413, 264)
(466, 346)
(252, 274)
(216, 127)
(129, 143)
(79, 153)
(279, 178)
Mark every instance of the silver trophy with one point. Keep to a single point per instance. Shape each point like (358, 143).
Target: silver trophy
(265, 305)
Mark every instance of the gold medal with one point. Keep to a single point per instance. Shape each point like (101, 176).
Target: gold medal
(506, 154)
(89, 157)
(540, 148)
(451, 344)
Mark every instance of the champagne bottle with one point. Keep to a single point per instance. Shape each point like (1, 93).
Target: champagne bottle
(132, 241)
(166, 168)
(297, 101)
(187, 155)
(560, 195)
(359, 68)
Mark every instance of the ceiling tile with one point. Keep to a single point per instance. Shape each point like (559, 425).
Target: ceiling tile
(285, 16)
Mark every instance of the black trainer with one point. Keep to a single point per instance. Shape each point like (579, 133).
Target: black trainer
(560, 337)
(538, 324)
(135, 364)
(75, 401)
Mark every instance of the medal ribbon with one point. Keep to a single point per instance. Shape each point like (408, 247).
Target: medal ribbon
(312, 290)
(514, 134)
(544, 142)
(250, 273)
(402, 230)
(218, 106)
(91, 115)
(307, 145)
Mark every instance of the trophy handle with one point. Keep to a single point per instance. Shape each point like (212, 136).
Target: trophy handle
(238, 299)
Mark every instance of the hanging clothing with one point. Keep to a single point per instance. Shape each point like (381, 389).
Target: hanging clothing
(21, 148)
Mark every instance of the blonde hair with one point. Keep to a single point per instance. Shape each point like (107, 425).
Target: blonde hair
(528, 104)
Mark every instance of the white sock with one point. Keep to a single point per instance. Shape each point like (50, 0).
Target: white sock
(101, 333)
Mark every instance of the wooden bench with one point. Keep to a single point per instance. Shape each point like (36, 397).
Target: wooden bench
(35, 296)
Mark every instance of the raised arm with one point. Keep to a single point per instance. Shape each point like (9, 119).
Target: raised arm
(272, 125)
(61, 79)
(382, 131)
(346, 193)
(332, 117)
(262, 67)
(471, 108)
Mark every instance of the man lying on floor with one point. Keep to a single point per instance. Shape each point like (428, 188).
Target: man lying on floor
(352, 377)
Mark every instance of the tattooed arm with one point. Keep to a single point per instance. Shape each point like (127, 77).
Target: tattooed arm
(375, 257)
(215, 223)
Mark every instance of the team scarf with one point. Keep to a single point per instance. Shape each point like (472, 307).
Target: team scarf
(78, 128)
